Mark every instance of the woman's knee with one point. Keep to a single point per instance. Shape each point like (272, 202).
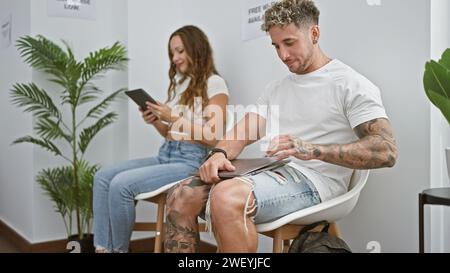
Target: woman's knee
(119, 188)
(101, 178)
(101, 183)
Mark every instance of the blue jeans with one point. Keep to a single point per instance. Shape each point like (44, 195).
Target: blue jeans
(115, 188)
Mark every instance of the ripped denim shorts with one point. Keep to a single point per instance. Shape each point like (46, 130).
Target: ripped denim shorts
(278, 192)
(281, 191)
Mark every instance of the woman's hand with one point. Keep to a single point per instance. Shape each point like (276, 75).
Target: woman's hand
(148, 116)
(162, 111)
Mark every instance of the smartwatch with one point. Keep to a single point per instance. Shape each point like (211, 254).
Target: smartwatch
(214, 151)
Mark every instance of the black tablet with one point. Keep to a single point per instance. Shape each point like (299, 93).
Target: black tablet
(140, 97)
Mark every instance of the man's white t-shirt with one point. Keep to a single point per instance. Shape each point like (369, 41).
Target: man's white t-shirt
(216, 86)
(322, 107)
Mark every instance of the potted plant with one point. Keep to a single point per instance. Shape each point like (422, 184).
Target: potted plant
(68, 136)
(437, 87)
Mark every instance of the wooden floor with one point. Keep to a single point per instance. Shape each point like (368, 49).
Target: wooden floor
(6, 246)
(12, 242)
(139, 246)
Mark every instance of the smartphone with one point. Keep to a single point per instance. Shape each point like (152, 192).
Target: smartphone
(140, 97)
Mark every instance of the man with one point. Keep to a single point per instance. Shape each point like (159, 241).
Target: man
(332, 122)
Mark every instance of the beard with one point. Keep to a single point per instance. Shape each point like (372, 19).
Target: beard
(303, 65)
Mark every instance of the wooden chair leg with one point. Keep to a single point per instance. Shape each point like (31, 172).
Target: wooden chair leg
(159, 238)
(286, 244)
(333, 230)
(282, 235)
(277, 241)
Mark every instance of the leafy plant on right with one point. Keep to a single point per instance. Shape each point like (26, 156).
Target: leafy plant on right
(436, 82)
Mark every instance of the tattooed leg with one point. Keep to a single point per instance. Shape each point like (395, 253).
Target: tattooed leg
(185, 202)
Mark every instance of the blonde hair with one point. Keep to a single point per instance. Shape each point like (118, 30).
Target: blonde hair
(283, 13)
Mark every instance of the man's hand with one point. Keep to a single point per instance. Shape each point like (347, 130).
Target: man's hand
(148, 116)
(288, 145)
(209, 171)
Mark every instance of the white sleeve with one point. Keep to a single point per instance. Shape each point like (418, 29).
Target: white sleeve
(217, 85)
(363, 102)
(263, 103)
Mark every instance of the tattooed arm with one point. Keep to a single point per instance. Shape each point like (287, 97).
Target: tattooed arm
(376, 148)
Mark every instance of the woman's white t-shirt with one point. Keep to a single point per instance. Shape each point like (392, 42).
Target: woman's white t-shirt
(216, 85)
(322, 107)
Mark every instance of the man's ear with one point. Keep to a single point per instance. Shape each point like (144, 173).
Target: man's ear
(315, 34)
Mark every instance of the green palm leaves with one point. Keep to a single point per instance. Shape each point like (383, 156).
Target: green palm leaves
(437, 83)
(70, 187)
(58, 184)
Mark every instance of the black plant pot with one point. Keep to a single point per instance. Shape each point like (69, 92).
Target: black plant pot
(86, 245)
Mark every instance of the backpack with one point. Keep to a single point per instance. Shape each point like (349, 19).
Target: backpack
(318, 242)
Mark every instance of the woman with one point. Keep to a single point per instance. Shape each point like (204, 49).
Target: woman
(194, 84)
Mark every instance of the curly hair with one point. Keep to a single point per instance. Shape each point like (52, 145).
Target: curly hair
(285, 12)
(201, 65)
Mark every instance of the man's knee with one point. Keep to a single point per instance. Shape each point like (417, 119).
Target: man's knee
(230, 197)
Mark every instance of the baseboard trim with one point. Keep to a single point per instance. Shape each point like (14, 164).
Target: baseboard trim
(145, 245)
(15, 238)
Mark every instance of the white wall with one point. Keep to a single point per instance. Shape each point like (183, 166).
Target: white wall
(16, 162)
(378, 42)
(437, 238)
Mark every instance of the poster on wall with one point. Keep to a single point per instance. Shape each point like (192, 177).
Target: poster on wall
(6, 29)
(252, 18)
(84, 9)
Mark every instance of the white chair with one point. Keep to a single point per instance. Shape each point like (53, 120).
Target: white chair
(286, 228)
(159, 197)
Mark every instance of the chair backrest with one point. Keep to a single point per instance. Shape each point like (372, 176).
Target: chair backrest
(330, 210)
(358, 180)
